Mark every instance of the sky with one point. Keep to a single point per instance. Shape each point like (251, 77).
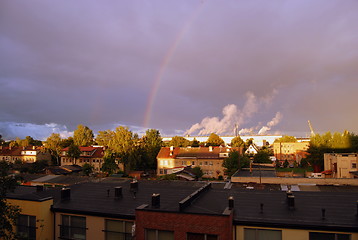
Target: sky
(183, 67)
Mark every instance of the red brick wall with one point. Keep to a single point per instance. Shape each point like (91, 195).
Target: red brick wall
(181, 223)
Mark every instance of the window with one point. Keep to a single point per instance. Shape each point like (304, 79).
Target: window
(261, 234)
(201, 236)
(161, 171)
(354, 165)
(118, 230)
(73, 227)
(329, 236)
(153, 234)
(193, 163)
(210, 163)
(26, 227)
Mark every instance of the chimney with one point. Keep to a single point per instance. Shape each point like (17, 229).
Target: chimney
(33, 147)
(134, 185)
(210, 148)
(261, 208)
(155, 200)
(171, 150)
(231, 202)
(39, 188)
(323, 213)
(118, 192)
(291, 201)
(65, 194)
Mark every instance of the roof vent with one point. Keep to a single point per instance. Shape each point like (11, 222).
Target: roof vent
(155, 200)
(65, 194)
(323, 213)
(231, 202)
(291, 201)
(118, 192)
(39, 188)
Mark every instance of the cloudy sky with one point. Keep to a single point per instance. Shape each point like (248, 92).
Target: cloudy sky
(195, 66)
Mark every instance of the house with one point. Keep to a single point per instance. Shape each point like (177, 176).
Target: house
(341, 165)
(252, 149)
(290, 151)
(146, 210)
(92, 155)
(209, 159)
(28, 154)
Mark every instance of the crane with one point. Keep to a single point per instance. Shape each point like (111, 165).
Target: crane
(312, 132)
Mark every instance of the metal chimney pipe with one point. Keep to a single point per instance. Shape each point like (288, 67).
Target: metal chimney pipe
(156, 200)
(231, 202)
(118, 192)
(291, 201)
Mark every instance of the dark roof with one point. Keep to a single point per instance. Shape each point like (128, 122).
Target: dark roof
(92, 199)
(32, 194)
(340, 208)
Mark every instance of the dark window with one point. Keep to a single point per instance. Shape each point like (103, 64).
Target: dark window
(153, 234)
(118, 230)
(329, 236)
(201, 236)
(354, 165)
(26, 227)
(73, 227)
(261, 234)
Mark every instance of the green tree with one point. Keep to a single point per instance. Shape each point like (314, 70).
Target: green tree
(83, 136)
(286, 138)
(53, 144)
(237, 142)
(214, 140)
(67, 142)
(262, 157)
(109, 165)
(195, 143)
(123, 145)
(231, 164)
(74, 152)
(38, 166)
(198, 172)
(152, 144)
(178, 141)
(9, 213)
(104, 137)
(87, 169)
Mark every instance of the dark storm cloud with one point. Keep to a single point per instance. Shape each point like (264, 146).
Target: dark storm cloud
(95, 63)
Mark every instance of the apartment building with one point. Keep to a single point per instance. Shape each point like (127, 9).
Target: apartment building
(341, 165)
(290, 151)
(28, 154)
(209, 159)
(169, 210)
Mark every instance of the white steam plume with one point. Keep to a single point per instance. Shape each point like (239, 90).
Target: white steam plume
(231, 116)
(271, 123)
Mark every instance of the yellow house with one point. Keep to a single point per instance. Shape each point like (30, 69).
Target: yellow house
(36, 219)
(341, 165)
(290, 151)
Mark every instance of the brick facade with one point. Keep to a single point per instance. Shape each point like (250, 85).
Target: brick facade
(182, 223)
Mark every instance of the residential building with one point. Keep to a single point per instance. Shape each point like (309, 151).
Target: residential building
(92, 155)
(341, 165)
(28, 154)
(147, 210)
(252, 149)
(290, 151)
(209, 159)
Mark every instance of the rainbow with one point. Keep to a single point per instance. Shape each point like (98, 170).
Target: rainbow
(165, 62)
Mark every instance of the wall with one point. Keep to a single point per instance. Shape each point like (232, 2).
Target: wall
(95, 225)
(287, 234)
(43, 216)
(181, 223)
